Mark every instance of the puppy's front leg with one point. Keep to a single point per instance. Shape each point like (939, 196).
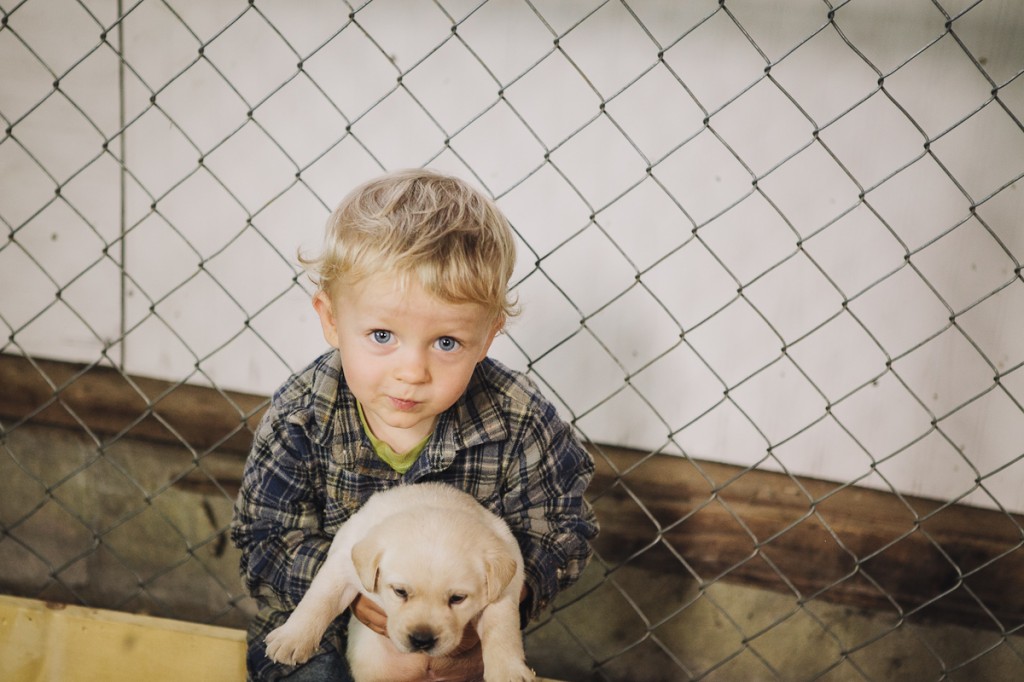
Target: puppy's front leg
(501, 643)
(328, 596)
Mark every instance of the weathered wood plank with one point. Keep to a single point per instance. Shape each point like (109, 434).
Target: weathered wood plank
(109, 403)
(861, 547)
(46, 641)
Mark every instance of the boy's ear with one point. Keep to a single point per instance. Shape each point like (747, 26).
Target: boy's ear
(324, 309)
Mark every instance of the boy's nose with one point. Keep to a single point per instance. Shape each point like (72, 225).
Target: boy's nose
(412, 368)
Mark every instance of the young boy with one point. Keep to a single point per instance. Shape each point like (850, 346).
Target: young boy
(412, 289)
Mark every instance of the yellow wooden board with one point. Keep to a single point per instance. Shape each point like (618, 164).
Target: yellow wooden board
(57, 643)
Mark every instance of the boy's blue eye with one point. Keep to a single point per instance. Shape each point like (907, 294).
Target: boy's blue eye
(382, 336)
(447, 344)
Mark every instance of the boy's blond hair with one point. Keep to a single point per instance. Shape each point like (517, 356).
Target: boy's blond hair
(420, 223)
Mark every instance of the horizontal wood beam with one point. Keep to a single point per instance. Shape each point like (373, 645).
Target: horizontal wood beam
(908, 556)
(108, 403)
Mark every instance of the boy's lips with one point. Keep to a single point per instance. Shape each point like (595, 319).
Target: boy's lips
(403, 405)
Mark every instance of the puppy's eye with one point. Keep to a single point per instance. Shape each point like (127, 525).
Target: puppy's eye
(400, 593)
(456, 599)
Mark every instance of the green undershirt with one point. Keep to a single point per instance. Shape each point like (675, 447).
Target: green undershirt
(399, 462)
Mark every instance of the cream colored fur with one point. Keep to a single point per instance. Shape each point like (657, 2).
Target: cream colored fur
(435, 560)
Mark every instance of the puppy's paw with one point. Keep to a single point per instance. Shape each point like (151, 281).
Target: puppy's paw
(290, 645)
(514, 671)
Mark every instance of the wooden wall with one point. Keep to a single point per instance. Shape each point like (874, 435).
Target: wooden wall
(815, 539)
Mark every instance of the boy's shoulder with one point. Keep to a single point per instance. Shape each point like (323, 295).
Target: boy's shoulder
(503, 404)
(518, 393)
(311, 391)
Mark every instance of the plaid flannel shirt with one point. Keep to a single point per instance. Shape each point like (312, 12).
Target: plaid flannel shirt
(311, 467)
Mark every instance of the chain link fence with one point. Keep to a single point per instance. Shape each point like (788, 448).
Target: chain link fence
(770, 265)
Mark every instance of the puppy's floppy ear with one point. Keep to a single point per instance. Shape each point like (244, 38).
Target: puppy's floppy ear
(366, 556)
(499, 569)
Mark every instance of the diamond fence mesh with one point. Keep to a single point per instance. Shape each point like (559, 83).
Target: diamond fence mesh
(776, 239)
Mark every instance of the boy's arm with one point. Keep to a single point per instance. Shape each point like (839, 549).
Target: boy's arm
(277, 524)
(545, 507)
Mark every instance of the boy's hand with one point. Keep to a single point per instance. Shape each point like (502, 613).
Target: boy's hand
(471, 638)
(470, 641)
(370, 615)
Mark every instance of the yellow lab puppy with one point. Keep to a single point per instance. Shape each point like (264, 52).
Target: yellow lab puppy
(435, 560)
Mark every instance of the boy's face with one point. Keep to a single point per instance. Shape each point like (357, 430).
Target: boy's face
(407, 356)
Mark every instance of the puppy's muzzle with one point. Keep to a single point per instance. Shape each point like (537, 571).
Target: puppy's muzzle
(422, 640)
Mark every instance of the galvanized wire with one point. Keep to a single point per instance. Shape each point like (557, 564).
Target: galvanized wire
(778, 61)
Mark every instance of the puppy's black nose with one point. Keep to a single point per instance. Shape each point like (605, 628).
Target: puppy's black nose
(421, 640)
